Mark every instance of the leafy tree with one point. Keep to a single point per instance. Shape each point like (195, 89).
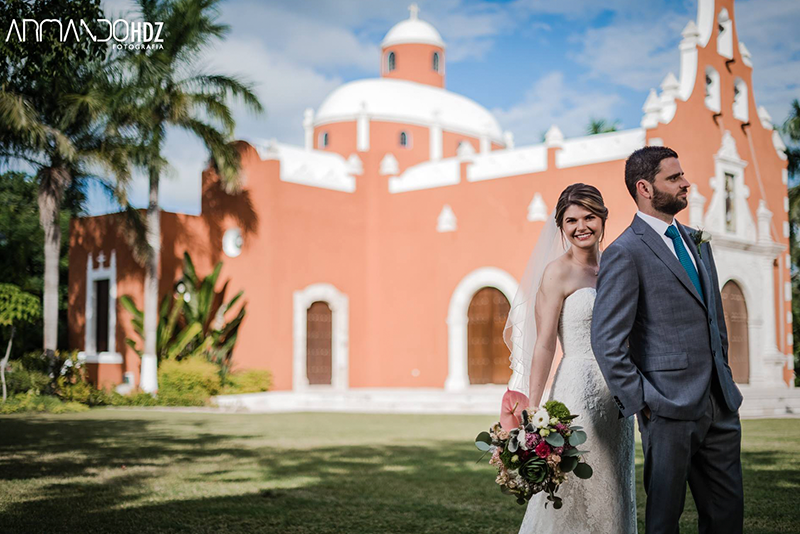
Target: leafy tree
(598, 126)
(16, 308)
(169, 88)
(53, 118)
(22, 249)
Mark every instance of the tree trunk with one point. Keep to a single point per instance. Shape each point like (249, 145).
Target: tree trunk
(53, 181)
(149, 371)
(5, 362)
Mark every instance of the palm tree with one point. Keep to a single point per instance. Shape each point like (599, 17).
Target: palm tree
(168, 89)
(54, 119)
(791, 128)
(598, 126)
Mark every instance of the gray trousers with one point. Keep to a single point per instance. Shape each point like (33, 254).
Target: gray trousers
(706, 453)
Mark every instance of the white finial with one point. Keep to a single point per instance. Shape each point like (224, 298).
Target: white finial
(414, 10)
(446, 222)
(102, 260)
(553, 137)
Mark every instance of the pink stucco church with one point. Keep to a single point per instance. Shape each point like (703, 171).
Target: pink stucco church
(382, 255)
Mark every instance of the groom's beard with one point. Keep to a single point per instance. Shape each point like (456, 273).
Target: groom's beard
(666, 203)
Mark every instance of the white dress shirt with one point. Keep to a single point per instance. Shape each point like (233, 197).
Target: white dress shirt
(661, 229)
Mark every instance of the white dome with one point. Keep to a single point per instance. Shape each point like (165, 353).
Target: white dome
(413, 30)
(408, 102)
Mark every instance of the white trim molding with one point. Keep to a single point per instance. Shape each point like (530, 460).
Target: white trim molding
(728, 162)
(457, 319)
(92, 275)
(340, 342)
(751, 267)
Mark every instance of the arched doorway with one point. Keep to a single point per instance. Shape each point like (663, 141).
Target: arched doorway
(735, 308)
(487, 355)
(319, 346)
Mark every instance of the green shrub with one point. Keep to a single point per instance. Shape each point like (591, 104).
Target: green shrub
(34, 402)
(138, 398)
(248, 381)
(22, 380)
(189, 382)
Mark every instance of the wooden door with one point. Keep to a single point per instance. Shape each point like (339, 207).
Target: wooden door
(735, 308)
(487, 355)
(319, 353)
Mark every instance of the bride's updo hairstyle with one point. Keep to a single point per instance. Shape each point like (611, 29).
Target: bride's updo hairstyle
(587, 197)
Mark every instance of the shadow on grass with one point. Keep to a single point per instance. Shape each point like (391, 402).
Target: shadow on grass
(188, 475)
(232, 483)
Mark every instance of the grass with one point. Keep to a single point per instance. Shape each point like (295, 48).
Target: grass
(152, 471)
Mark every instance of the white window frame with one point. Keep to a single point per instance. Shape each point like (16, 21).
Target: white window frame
(740, 101)
(712, 100)
(458, 318)
(725, 37)
(92, 275)
(340, 355)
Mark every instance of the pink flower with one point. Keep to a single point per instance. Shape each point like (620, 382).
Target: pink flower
(542, 450)
(531, 439)
(558, 450)
(511, 409)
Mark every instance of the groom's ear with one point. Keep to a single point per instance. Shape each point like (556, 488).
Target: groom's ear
(643, 190)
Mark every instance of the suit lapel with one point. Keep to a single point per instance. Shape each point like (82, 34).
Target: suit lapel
(660, 249)
(705, 278)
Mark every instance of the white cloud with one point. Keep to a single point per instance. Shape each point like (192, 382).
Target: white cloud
(769, 29)
(552, 101)
(633, 53)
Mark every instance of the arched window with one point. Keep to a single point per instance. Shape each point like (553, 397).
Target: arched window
(740, 110)
(405, 139)
(323, 139)
(712, 90)
(725, 35)
(436, 61)
(390, 62)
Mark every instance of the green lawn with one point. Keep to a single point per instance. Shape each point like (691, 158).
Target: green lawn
(148, 471)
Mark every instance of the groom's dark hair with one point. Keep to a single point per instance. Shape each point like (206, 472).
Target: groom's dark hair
(644, 164)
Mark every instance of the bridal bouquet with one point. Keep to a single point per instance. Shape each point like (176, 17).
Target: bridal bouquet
(534, 449)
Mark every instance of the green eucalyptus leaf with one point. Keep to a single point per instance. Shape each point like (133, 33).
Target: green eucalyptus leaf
(555, 439)
(577, 438)
(568, 463)
(583, 471)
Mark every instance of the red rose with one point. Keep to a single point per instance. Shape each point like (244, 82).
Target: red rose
(543, 450)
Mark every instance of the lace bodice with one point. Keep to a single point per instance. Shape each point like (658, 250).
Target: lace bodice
(575, 323)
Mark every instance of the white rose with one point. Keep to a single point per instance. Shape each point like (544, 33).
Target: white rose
(541, 418)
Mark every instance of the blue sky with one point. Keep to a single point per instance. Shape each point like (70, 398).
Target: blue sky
(532, 62)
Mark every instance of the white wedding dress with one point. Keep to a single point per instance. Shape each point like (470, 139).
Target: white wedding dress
(606, 502)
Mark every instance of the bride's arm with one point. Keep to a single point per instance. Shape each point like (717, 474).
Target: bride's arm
(549, 300)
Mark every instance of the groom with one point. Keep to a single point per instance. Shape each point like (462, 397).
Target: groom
(659, 337)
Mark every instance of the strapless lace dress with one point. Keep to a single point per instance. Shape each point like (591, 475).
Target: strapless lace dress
(605, 503)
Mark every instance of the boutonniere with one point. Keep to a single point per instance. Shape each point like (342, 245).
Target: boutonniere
(699, 237)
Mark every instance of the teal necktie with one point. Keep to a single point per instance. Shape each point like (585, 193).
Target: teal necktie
(683, 256)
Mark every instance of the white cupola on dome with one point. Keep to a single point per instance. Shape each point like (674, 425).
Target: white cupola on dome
(413, 30)
(413, 51)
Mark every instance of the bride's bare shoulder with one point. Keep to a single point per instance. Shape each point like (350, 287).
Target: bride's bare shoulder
(556, 273)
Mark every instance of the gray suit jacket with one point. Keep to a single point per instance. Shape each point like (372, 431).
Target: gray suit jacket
(657, 341)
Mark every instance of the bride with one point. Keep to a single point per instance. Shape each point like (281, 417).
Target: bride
(555, 301)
